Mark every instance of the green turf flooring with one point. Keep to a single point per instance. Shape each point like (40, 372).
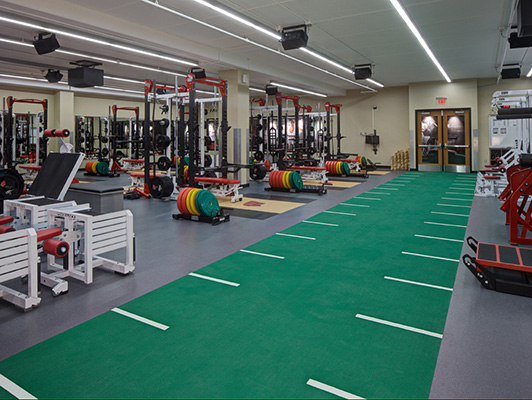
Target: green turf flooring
(291, 319)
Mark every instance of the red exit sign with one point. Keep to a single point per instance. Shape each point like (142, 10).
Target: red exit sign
(441, 100)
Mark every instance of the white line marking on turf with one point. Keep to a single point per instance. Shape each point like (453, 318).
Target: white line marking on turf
(426, 256)
(394, 184)
(464, 189)
(439, 238)
(319, 223)
(462, 184)
(354, 205)
(262, 254)
(296, 236)
(367, 198)
(208, 278)
(140, 319)
(340, 213)
(461, 194)
(452, 205)
(454, 198)
(371, 192)
(418, 283)
(454, 215)
(385, 188)
(400, 326)
(14, 389)
(330, 389)
(438, 223)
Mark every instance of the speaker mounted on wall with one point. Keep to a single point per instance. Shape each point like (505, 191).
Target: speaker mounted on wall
(46, 43)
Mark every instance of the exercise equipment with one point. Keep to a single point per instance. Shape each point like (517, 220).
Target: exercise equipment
(97, 168)
(19, 258)
(199, 205)
(285, 180)
(506, 269)
(337, 168)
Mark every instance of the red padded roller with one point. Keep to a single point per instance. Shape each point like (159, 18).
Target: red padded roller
(6, 220)
(49, 233)
(62, 133)
(6, 228)
(56, 247)
(49, 133)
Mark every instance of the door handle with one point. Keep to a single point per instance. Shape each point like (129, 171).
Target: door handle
(462, 146)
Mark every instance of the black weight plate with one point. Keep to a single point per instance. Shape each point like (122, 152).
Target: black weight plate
(259, 155)
(105, 152)
(164, 163)
(11, 184)
(208, 160)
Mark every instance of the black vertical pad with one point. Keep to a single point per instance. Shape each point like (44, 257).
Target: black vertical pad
(54, 175)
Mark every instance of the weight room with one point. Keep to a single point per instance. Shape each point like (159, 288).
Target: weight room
(265, 199)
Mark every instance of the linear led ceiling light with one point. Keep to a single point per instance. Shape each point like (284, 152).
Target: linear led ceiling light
(298, 89)
(375, 82)
(244, 39)
(257, 90)
(98, 41)
(529, 73)
(400, 9)
(274, 35)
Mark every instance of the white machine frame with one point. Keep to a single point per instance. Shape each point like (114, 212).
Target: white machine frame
(18, 258)
(30, 215)
(99, 234)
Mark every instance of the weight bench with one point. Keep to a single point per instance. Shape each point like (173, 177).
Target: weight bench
(18, 258)
(221, 187)
(312, 173)
(90, 235)
(352, 164)
(132, 164)
(137, 178)
(47, 191)
(506, 269)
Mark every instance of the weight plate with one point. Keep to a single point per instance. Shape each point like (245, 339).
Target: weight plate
(292, 183)
(179, 196)
(298, 181)
(267, 164)
(363, 161)
(93, 167)
(11, 184)
(271, 178)
(88, 166)
(346, 168)
(183, 202)
(192, 203)
(102, 168)
(209, 204)
(187, 202)
(338, 167)
(208, 160)
(164, 163)
(286, 176)
(259, 155)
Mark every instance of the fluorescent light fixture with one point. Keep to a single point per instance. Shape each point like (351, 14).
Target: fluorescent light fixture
(98, 41)
(257, 90)
(375, 82)
(298, 89)
(399, 8)
(529, 73)
(327, 60)
(115, 78)
(119, 90)
(23, 77)
(274, 35)
(182, 15)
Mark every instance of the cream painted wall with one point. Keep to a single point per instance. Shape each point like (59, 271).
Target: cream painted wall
(486, 87)
(460, 94)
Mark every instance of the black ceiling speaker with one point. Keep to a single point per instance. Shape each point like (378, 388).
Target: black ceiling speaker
(293, 37)
(53, 75)
(46, 43)
(511, 73)
(271, 90)
(199, 73)
(86, 75)
(362, 71)
(524, 18)
(518, 43)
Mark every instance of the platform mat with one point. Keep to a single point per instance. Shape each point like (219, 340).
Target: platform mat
(352, 301)
(341, 184)
(260, 205)
(378, 172)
